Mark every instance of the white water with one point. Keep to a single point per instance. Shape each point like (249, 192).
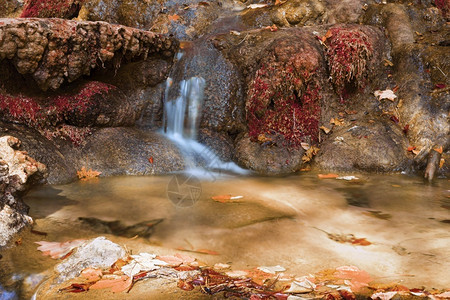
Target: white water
(181, 120)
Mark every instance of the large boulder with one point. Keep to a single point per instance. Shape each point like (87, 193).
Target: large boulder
(18, 172)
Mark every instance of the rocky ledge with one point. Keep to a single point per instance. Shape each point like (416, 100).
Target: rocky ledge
(55, 50)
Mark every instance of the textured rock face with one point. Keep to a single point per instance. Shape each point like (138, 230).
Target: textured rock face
(17, 172)
(54, 50)
(51, 9)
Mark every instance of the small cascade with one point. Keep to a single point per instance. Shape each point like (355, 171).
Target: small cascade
(181, 121)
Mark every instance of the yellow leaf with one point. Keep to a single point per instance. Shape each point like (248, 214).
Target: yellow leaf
(84, 174)
(337, 122)
(439, 149)
(441, 163)
(325, 129)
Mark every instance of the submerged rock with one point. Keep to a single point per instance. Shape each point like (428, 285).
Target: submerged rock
(18, 172)
(96, 253)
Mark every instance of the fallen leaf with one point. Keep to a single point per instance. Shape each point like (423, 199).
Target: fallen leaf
(326, 36)
(272, 269)
(309, 154)
(400, 103)
(305, 146)
(444, 295)
(76, 288)
(255, 6)
(348, 178)
(394, 119)
(361, 242)
(337, 122)
(150, 160)
(234, 32)
(384, 296)
(203, 3)
(236, 274)
(411, 148)
(328, 176)
(386, 94)
(258, 276)
(415, 151)
(406, 129)
(142, 262)
(325, 129)
(220, 266)
(441, 163)
(439, 149)
(91, 274)
(418, 33)
(84, 174)
(226, 198)
(301, 286)
(356, 278)
(58, 250)
(201, 251)
(388, 63)
(173, 17)
(272, 28)
(116, 285)
(440, 86)
(177, 259)
(184, 285)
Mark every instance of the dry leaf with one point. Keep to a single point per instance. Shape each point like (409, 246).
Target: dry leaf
(116, 285)
(226, 198)
(326, 36)
(255, 6)
(384, 296)
(325, 129)
(173, 18)
(220, 266)
(91, 274)
(411, 148)
(58, 250)
(439, 149)
(305, 146)
(415, 151)
(355, 277)
(386, 94)
(272, 269)
(441, 163)
(328, 176)
(388, 63)
(177, 259)
(150, 160)
(309, 154)
(234, 32)
(236, 274)
(337, 122)
(84, 174)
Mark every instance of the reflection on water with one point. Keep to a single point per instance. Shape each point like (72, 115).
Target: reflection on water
(273, 222)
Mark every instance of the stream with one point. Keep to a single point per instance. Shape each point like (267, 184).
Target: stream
(277, 221)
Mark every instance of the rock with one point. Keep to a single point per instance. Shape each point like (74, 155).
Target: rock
(53, 50)
(268, 159)
(358, 147)
(9, 8)
(96, 253)
(18, 172)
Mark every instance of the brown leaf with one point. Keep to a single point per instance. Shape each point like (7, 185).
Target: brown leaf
(309, 154)
(84, 174)
(116, 285)
(388, 63)
(326, 36)
(361, 242)
(91, 274)
(328, 176)
(337, 122)
(439, 149)
(173, 17)
(325, 129)
(357, 278)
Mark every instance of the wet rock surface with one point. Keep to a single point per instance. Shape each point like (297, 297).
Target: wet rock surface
(18, 172)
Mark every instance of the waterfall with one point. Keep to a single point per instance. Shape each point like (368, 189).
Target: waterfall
(181, 121)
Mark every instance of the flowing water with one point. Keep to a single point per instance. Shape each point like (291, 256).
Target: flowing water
(281, 221)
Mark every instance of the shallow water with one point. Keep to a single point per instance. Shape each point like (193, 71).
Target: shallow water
(281, 221)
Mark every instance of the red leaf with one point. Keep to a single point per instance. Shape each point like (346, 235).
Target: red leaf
(394, 119)
(440, 86)
(411, 148)
(150, 160)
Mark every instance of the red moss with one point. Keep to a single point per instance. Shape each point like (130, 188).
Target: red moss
(444, 6)
(348, 53)
(47, 114)
(51, 8)
(284, 100)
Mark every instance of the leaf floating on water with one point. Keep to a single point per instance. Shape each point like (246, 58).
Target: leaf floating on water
(386, 94)
(226, 198)
(173, 17)
(328, 176)
(355, 277)
(85, 174)
(58, 250)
